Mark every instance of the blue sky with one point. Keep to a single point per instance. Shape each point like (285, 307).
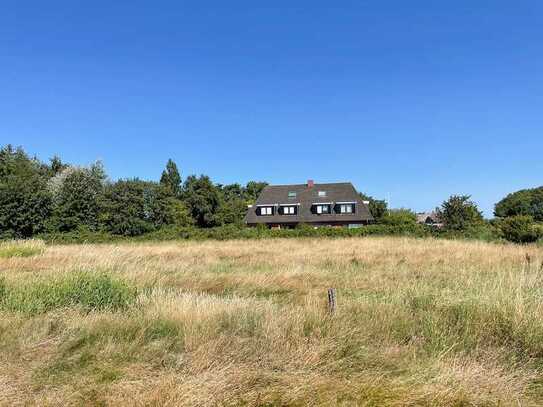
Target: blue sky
(412, 101)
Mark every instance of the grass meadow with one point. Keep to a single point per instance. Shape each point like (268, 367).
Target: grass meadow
(419, 322)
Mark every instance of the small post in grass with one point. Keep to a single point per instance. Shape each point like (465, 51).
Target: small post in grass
(332, 300)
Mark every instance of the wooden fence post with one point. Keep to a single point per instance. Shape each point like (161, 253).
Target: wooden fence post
(332, 300)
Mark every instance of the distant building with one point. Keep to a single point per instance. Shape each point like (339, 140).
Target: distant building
(335, 204)
(430, 219)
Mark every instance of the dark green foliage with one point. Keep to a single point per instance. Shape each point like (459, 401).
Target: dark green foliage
(203, 200)
(233, 205)
(89, 291)
(232, 191)
(527, 202)
(378, 208)
(165, 209)
(77, 195)
(171, 179)
(520, 229)
(25, 203)
(231, 211)
(125, 208)
(232, 231)
(62, 203)
(399, 217)
(459, 213)
(484, 231)
(134, 207)
(253, 189)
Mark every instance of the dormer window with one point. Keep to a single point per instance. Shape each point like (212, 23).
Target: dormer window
(266, 210)
(289, 210)
(322, 194)
(322, 209)
(345, 207)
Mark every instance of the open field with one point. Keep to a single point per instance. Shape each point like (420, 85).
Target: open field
(419, 322)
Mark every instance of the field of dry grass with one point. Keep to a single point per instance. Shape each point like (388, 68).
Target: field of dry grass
(419, 322)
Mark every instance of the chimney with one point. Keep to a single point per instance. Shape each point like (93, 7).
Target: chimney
(310, 183)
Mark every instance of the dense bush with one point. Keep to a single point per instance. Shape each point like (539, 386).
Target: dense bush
(203, 200)
(459, 213)
(378, 207)
(399, 217)
(25, 202)
(520, 229)
(484, 231)
(66, 203)
(527, 202)
(76, 196)
(125, 209)
(55, 198)
(240, 232)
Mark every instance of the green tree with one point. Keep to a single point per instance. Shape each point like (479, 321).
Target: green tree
(203, 200)
(125, 207)
(25, 203)
(233, 207)
(232, 191)
(459, 213)
(378, 207)
(77, 193)
(527, 202)
(520, 229)
(171, 178)
(253, 190)
(56, 165)
(399, 217)
(165, 209)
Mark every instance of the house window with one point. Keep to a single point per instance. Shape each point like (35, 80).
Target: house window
(266, 210)
(323, 209)
(322, 194)
(289, 210)
(292, 194)
(346, 208)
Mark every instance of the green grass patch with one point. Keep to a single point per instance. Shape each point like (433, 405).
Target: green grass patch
(21, 248)
(85, 290)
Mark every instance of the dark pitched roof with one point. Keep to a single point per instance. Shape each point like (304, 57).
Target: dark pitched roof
(305, 197)
(428, 217)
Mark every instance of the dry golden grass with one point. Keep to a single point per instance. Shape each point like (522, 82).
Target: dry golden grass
(420, 322)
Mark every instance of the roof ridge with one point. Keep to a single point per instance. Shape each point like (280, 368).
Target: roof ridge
(305, 185)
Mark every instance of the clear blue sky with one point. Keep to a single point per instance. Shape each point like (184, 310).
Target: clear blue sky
(410, 100)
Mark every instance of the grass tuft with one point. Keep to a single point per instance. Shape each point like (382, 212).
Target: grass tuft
(85, 290)
(21, 248)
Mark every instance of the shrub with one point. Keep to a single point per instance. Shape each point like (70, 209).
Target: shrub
(524, 202)
(86, 290)
(126, 209)
(486, 231)
(76, 193)
(25, 202)
(459, 213)
(227, 232)
(520, 229)
(399, 217)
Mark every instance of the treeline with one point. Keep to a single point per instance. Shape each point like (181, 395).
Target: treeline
(55, 197)
(518, 218)
(64, 202)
